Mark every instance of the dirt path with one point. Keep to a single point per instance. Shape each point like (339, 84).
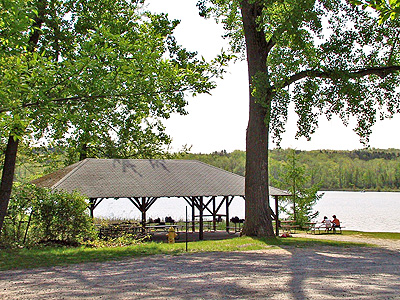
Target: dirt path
(287, 273)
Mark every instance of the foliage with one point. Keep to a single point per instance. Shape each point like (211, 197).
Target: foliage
(60, 216)
(33, 162)
(233, 162)
(368, 169)
(295, 181)
(123, 240)
(46, 216)
(330, 68)
(365, 169)
(387, 9)
(96, 77)
(18, 215)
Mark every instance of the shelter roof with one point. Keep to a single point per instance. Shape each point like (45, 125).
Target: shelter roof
(124, 178)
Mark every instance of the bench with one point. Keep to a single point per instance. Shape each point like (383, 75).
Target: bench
(290, 228)
(321, 227)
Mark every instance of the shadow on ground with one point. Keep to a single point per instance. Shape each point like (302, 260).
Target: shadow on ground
(286, 273)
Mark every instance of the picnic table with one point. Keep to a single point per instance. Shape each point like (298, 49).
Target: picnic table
(289, 226)
(162, 228)
(321, 227)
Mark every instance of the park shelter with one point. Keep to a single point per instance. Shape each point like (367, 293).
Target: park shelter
(204, 187)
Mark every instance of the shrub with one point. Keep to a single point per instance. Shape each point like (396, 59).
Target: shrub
(42, 215)
(61, 216)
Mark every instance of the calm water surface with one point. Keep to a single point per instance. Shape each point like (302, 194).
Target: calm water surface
(369, 211)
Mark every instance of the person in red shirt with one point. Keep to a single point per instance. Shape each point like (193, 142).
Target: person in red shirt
(335, 222)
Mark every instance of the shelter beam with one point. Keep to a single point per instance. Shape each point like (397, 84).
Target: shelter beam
(143, 204)
(135, 202)
(206, 206)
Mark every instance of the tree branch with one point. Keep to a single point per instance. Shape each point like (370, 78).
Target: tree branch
(91, 97)
(379, 71)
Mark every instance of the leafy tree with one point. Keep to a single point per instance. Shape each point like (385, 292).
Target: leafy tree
(93, 72)
(327, 57)
(388, 9)
(60, 216)
(303, 198)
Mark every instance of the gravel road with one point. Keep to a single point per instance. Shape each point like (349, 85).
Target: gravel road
(285, 273)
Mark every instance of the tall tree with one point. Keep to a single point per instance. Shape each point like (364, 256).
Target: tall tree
(328, 57)
(84, 70)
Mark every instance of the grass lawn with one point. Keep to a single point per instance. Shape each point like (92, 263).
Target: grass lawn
(56, 256)
(377, 235)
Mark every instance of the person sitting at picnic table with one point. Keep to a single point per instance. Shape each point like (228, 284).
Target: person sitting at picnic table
(327, 223)
(335, 222)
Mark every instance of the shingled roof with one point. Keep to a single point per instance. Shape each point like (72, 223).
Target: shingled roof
(125, 178)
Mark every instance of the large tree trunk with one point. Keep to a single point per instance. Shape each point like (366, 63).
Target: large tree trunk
(257, 211)
(7, 177)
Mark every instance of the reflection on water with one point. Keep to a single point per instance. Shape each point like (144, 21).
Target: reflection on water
(370, 211)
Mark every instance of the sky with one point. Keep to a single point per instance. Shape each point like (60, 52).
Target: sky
(218, 121)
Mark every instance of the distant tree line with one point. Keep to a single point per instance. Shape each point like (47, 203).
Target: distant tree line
(367, 169)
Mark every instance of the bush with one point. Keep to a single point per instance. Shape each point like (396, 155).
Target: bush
(61, 216)
(44, 215)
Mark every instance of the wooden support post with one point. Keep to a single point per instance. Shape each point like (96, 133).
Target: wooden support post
(193, 216)
(143, 210)
(201, 208)
(92, 202)
(276, 216)
(214, 215)
(227, 214)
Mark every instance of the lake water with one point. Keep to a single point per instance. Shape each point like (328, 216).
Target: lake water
(369, 211)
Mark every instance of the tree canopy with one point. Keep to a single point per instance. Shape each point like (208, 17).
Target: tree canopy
(99, 70)
(387, 9)
(327, 57)
(86, 73)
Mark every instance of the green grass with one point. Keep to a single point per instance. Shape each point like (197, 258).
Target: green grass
(377, 235)
(56, 256)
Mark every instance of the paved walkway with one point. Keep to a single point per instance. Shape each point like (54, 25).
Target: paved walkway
(286, 273)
